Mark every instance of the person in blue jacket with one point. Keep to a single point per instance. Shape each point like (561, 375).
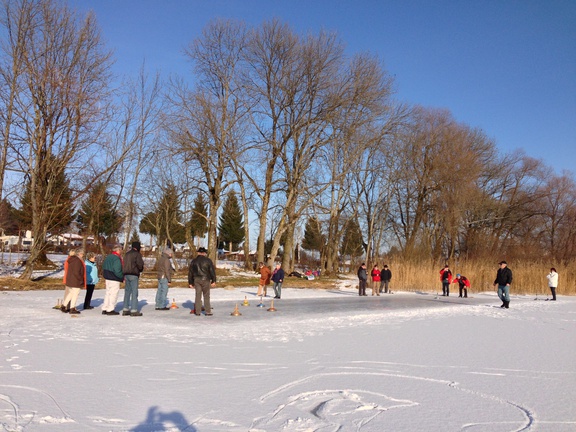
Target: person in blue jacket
(91, 278)
(278, 278)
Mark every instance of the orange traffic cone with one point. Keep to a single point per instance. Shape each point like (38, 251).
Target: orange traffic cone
(174, 305)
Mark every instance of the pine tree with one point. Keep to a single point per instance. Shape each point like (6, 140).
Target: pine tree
(352, 242)
(165, 221)
(231, 226)
(198, 223)
(313, 240)
(97, 215)
(57, 197)
(8, 219)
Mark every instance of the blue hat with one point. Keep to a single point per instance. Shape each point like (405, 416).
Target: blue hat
(458, 275)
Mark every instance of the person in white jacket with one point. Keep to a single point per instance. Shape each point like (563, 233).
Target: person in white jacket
(553, 282)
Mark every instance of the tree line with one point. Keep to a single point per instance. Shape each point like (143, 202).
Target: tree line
(305, 143)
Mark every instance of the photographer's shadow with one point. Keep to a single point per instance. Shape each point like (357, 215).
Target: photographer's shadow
(157, 420)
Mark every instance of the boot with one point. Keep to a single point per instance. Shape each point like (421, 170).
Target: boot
(507, 304)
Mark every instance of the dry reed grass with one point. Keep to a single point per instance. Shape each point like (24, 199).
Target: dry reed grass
(528, 278)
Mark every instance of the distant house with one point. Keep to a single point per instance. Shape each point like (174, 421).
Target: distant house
(69, 239)
(17, 242)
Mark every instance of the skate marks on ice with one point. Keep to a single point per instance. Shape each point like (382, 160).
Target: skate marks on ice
(381, 397)
(15, 418)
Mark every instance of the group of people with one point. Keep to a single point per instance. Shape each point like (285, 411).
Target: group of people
(118, 269)
(502, 282)
(267, 276)
(380, 280)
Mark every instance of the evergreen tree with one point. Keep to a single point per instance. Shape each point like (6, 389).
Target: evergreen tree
(135, 237)
(165, 221)
(97, 215)
(198, 223)
(58, 201)
(8, 218)
(313, 240)
(231, 226)
(352, 242)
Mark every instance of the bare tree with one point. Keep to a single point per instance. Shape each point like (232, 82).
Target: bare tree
(60, 111)
(207, 119)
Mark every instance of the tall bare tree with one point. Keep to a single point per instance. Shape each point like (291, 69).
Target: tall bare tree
(206, 120)
(64, 69)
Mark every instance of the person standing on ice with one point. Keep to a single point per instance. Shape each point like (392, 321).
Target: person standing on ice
(133, 266)
(75, 281)
(278, 278)
(463, 284)
(202, 277)
(113, 277)
(446, 278)
(91, 278)
(362, 280)
(503, 281)
(552, 282)
(375, 275)
(164, 279)
(265, 275)
(385, 278)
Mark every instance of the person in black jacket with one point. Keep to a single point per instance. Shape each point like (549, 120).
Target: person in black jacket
(362, 280)
(133, 266)
(202, 277)
(503, 281)
(385, 278)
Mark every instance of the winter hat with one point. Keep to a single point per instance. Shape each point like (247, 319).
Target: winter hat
(136, 245)
(458, 275)
(202, 250)
(168, 251)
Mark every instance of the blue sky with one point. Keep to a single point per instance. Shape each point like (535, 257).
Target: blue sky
(506, 67)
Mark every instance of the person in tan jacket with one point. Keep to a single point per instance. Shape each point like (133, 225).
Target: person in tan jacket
(265, 275)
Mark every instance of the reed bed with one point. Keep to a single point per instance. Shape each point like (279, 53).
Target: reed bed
(528, 278)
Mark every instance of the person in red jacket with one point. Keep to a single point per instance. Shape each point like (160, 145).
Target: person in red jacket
(375, 273)
(446, 278)
(463, 284)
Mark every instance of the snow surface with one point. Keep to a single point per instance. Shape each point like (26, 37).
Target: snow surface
(326, 360)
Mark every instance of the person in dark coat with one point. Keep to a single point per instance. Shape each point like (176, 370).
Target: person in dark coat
(202, 277)
(75, 281)
(133, 266)
(362, 280)
(385, 278)
(503, 281)
(278, 278)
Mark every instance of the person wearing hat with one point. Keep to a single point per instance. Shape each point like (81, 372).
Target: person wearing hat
(503, 281)
(164, 278)
(133, 266)
(202, 277)
(385, 278)
(463, 284)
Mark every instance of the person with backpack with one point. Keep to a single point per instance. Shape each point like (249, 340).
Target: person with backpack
(446, 279)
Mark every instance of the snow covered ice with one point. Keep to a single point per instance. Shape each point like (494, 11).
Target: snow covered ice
(326, 360)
